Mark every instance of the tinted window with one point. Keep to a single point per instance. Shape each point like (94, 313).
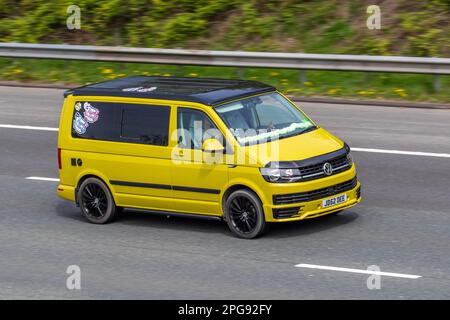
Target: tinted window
(121, 122)
(96, 120)
(146, 124)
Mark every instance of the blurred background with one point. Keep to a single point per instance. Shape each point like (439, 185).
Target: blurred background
(408, 28)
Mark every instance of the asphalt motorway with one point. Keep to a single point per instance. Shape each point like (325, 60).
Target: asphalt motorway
(402, 225)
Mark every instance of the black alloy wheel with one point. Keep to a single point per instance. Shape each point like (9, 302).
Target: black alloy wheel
(96, 202)
(244, 214)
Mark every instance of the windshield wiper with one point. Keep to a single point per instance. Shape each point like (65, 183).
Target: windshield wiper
(308, 129)
(298, 133)
(270, 139)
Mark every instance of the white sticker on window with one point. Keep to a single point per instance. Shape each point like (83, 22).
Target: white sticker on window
(91, 114)
(80, 124)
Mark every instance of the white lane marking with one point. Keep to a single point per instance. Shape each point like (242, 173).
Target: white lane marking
(409, 153)
(11, 126)
(42, 179)
(388, 274)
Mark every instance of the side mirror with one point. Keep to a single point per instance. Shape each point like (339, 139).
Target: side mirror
(212, 145)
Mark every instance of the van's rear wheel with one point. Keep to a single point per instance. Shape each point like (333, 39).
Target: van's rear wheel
(244, 214)
(96, 202)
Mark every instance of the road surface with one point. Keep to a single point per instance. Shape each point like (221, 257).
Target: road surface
(402, 225)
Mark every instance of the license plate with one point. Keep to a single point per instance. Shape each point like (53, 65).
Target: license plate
(334, 201)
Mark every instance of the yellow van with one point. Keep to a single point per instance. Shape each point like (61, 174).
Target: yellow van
(227, 149)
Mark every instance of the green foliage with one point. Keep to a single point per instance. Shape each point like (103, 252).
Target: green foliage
(418, 28)
(319, 26)
(5, 8)
(425, 35)
(373, 46)
(331, 36)
(181, 27)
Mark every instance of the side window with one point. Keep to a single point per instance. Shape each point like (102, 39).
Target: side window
(96, 120)
(194, 127)
(121, 122)
(146, 124)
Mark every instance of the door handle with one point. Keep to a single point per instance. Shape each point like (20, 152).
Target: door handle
(181, 153)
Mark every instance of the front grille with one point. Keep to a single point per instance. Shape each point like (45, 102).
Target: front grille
(315, 194)
(313, 168)
(316, 171)
(286, 212)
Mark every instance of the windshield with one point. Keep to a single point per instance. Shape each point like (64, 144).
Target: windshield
(263, 118)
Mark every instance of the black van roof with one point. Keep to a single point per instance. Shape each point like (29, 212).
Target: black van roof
(203, 90)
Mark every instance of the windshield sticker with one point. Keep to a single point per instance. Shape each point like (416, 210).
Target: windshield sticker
(139, 89)
(78, 106)
(91, 114)
(267, 135)
(79, 124)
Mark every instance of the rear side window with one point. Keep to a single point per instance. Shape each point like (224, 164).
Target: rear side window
(96, 120)
(121, 122)
(149, 125)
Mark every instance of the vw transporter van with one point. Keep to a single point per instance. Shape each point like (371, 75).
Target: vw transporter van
(234, 150)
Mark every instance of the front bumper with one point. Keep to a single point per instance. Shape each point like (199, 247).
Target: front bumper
(307, 203)
(313, 209)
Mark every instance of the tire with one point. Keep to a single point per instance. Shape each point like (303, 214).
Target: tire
(96, 202)
(244, 214)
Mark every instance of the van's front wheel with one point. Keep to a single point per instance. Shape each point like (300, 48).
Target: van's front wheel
(244, 214)
(96, 202)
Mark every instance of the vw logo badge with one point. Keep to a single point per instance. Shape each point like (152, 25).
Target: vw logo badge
(327, 169)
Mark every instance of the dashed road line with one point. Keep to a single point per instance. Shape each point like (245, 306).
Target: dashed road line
(380, 273)
(43, 179)
(409, 153)
(11, 126)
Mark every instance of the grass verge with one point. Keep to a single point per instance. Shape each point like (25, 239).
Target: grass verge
(409, 87)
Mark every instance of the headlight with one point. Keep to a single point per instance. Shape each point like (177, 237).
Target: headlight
(349, 156)
(280, 175)
(349, 159)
